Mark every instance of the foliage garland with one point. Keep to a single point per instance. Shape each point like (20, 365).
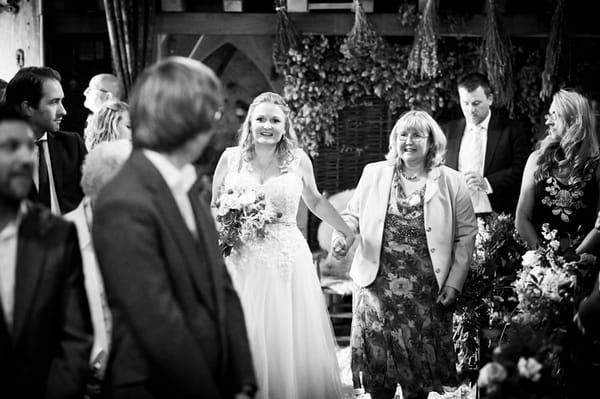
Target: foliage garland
(325, 75)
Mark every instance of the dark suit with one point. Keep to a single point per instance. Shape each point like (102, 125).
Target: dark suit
(46, 354)
(178, 326)
(508, 147)
(67, 151)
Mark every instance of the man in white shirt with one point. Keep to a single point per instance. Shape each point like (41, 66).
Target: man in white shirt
(178, 326)
(45, 328)
(487, 147)
(37, 93)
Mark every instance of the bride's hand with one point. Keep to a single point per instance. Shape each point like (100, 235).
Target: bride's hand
(340, 245)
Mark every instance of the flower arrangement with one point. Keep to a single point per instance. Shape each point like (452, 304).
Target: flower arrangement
(520, 369)
(487, 301)
(553, 278)
(243, 215)
(533, 361)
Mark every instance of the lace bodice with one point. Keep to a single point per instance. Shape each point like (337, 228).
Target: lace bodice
(284, 191)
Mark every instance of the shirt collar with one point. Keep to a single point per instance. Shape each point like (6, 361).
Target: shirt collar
(483, 124)
(12, 227)
(180, 180)
(43, 138)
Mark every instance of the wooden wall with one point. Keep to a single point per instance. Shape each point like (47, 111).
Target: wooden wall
(20, 32)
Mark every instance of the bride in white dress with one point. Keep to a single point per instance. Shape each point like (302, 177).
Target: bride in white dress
(290, 333)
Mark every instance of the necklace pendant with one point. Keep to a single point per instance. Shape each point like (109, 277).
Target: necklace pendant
(410, 178)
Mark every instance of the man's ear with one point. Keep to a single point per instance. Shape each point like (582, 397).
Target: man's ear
(491, 99)
(27, 109)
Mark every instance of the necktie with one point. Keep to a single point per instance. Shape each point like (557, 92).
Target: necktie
(474, 150)
(43, 177)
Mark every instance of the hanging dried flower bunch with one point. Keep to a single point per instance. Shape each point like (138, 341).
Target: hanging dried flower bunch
(362, 36)
(553, 50)
(286, 36)
(496, 57)
(423, 59)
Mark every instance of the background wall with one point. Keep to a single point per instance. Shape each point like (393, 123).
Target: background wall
(20, 31)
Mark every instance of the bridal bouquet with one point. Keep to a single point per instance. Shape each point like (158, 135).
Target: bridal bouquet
(242, 215)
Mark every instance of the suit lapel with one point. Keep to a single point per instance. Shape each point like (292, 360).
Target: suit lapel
(385, 185)
(205, 225)
(56, 160)
(167, 207)
(432, 186)
(31, 254)
(493, 136)
(455, 135)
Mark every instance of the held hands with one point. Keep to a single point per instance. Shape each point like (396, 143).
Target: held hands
(475, 181)
(447, 296)
(340, 245)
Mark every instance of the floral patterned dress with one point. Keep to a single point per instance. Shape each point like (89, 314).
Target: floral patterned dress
(569, 208)
(399, 333)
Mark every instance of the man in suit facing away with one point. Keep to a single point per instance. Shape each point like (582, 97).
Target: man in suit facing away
(487, 147)
(178, 326)
(38, 94)
(45, 327)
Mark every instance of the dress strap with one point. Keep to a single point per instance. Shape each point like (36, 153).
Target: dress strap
(235, 159)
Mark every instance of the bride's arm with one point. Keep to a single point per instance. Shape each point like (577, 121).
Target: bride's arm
(318, 204)
(219, 177)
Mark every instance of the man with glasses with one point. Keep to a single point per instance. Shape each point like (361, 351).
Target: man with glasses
(45, 327)
(487, 147)
(37, 93)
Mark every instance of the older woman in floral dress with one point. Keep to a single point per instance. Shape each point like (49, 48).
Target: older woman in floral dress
(417, 230)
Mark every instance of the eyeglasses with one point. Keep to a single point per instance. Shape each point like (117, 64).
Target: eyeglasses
(415, 136)
(551, 117)
(95, 88)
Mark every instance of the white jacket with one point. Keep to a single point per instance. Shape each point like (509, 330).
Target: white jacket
(450, 223)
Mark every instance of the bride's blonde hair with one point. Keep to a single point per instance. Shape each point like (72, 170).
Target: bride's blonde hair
(288, 143)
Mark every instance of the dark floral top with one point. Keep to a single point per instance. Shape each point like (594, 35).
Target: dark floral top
(569, 208)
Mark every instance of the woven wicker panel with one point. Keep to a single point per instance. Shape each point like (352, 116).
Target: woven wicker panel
(361, 137)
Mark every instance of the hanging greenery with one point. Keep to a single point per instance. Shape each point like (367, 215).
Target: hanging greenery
(423, 60)
(286, 36)
(496, 58)
(553, 50)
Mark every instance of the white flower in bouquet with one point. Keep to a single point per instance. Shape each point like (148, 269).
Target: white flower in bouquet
(491, 375)
(530, 258)
(529, 368)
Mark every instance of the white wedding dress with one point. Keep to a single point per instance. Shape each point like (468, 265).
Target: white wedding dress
(290, 332)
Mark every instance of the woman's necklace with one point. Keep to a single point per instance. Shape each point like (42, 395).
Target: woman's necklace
(410, 178)
(262, 172)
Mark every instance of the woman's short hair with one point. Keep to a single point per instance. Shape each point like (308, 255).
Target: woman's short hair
(288, 142)
(419, 121)
(578, 144)
(103, 126)
(102, 163)
(172, 102)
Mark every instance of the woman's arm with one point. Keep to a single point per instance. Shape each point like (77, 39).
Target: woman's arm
(318, 204)
(526, 202)
(219, 177)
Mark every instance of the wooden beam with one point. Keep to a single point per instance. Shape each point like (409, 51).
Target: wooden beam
(297, 5)
(318, 23)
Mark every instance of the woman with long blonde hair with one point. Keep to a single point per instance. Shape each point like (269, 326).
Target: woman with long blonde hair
(109, 124)
(561, 179)
(290, 333)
